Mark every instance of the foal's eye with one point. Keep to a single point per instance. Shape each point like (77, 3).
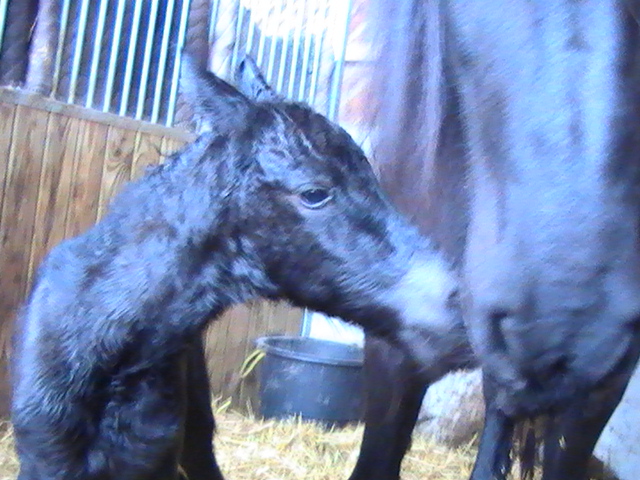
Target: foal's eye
(315, 197)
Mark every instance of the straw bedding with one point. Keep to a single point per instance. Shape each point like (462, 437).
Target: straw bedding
(293, 449)
(248, 448)
(252, 449)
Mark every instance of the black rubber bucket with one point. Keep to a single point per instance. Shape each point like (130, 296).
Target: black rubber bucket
(314, 379)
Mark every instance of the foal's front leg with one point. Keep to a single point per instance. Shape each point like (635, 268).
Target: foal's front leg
(493, 460)
(198, 460)
(393, 395)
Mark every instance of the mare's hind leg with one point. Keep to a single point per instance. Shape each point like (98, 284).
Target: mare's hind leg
(493, 460)
(393, 395)
(198, 460)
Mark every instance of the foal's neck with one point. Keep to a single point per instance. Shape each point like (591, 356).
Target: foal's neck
(182, 221)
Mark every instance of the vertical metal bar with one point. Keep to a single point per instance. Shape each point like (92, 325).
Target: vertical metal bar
(213, 22)
(336, 81)
(95, 55)
(285, 49)
(162, 61)
(277, 16)
(77, 53)
(296, 47)
(64, 20)
(319, 45)
(146, 61)
(236, 42)
(263, 35)
(252, 26)
(305, 324)
(131, 55)
(113, 55)
(308, 38)
(182, 33)
(3, 18)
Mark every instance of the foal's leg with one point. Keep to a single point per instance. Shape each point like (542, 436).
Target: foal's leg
(197, 460)
(393, 395)
(493, 460)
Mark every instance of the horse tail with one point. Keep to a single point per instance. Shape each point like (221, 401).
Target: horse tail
(409, 89)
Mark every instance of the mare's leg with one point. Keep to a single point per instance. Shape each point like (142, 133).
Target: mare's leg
(493, 459)
(198, 461)
(393, 395)
(572, 433)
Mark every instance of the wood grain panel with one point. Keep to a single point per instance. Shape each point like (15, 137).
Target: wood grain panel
(225, 342)
(169, 147)
(55, 185)
(7, 114)
(85, 190)
(18, 211)
(148, 151)
(117, 164)
(214, 344)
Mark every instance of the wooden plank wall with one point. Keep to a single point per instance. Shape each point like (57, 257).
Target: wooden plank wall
(59, 167)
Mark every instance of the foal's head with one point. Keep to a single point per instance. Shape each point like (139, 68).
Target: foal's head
(311, 224)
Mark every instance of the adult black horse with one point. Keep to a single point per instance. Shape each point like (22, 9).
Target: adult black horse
(510, 131)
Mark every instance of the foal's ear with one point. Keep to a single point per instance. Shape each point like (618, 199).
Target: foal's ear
(251, 82)
(216, 104)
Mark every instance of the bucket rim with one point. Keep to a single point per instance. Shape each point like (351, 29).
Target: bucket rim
(263, 343)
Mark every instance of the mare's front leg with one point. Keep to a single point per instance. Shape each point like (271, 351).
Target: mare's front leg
(493, 460)
(572, 433)
(393, 395)
(198, 460)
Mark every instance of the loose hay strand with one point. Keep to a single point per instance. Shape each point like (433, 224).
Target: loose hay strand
(8, 459)
(251, 362)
